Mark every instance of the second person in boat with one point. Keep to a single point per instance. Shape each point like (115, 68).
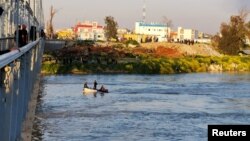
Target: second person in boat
(95, 84)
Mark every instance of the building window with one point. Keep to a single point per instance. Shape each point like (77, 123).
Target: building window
(182, 31)
(182, 37)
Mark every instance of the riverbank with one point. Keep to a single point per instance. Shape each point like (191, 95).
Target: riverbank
(151, 65)
(146, 58)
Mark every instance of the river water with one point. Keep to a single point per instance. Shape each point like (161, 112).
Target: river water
(140, 107)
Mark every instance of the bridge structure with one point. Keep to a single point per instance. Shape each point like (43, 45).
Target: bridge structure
(19, 69)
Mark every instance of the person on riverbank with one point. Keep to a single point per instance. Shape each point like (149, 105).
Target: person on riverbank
(95, 84)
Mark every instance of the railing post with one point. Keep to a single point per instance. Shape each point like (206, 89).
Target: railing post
(7, 101)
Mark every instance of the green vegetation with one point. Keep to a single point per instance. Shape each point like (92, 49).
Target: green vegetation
(131, 42)
(149, 65)
(85, 42)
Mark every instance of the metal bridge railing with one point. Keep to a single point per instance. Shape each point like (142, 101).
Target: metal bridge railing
(19, 71)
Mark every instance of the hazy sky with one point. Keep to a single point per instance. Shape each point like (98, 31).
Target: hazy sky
(204, 15)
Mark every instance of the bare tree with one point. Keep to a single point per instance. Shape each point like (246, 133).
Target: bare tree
(50, 26)
(243, 13)
(168, 22)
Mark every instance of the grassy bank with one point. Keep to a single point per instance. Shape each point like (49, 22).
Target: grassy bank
(150, 65)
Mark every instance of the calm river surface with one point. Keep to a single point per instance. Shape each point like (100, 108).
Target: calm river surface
(141, 107)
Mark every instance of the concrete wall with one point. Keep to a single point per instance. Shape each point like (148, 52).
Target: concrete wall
(51, 45)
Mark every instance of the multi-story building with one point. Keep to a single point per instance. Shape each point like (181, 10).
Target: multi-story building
(89, 31)
(65, 34)
(187, 34)
(121, 32)
(158, 31)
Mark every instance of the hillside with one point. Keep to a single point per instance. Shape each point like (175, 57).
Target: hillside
(177, 50)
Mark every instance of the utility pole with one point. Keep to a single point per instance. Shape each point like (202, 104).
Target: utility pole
(144, 11)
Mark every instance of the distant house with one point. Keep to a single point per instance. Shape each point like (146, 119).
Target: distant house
(65, 34)
(204, 38)
(187, 34)
(155, 30)
(89, 31)
(174, 36)
(121, 32)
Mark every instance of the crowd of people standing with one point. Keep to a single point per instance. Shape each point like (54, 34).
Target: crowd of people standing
(22, 37)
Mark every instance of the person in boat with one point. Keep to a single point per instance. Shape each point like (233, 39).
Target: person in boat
(102, 88)
(95, 84)
(85, 85)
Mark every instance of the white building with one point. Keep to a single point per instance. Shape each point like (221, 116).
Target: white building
(89, 31)
(187, 34)
(161, 31)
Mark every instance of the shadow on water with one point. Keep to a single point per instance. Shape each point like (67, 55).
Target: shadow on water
(38, 127)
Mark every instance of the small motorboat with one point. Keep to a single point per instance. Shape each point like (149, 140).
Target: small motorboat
(89, 90)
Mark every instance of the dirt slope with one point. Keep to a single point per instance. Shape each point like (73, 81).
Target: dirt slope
(176, 50)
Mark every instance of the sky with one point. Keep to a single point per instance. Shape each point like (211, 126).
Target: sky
(203, 15)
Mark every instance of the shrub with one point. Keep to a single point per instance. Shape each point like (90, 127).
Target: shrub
(132, 42)
(85, 42)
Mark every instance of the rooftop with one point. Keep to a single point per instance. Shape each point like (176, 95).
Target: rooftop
(151, 24)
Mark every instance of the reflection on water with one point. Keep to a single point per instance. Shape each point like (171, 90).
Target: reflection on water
(141, 107)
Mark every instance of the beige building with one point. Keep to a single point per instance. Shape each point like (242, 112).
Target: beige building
(187, 34)
(121, 32)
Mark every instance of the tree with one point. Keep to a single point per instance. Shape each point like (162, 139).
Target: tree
(167, 21)
(248, 28)
(110, 28)
(234, 34)
(50, 26)
(169, 25)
